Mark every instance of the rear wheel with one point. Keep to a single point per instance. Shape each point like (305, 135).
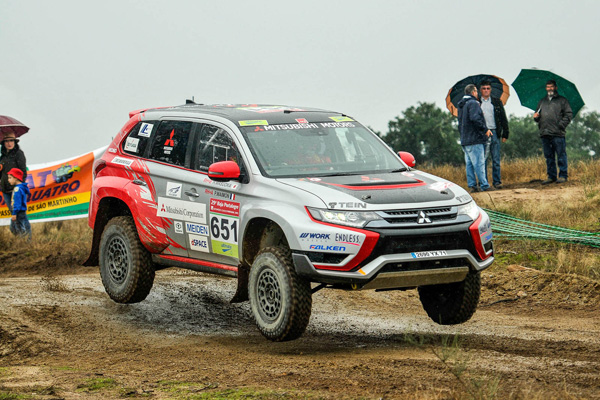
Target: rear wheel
(281, 300)
(452, 303)
(125, 264)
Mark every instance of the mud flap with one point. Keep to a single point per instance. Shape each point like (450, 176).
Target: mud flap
(241, 294)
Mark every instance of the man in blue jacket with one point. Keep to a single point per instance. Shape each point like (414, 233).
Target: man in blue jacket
(473, 137)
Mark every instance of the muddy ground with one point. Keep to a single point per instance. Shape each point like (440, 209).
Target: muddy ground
(535, 335)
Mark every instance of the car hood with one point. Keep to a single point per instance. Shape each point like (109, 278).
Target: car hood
(382, 191)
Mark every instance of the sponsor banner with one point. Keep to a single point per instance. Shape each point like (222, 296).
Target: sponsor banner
(58, 190)
(225, 207)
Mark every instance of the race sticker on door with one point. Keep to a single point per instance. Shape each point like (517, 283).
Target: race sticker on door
(427, 254)
(179, 209)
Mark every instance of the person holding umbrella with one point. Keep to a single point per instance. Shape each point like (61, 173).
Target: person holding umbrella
(11, 156)
(553, 115)
(473, 137)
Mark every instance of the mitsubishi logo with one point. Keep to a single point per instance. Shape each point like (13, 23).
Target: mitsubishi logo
(423, 218)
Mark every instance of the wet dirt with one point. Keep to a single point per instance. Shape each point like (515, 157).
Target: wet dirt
(535, 335)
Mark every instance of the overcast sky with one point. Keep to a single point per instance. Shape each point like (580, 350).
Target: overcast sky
(73, 69)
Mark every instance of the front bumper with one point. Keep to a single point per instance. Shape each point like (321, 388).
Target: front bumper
(398, 270)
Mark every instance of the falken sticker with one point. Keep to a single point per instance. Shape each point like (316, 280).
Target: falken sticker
(341, 119)
(429, 254)
(179, 209)
(122, 161)
(198, 243)
(197, 229)
(174, 189)
(225, 207)
(145, 130)
(178, 225)
(253, 122)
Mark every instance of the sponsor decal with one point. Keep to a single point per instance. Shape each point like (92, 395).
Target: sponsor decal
(174, 189)
(225, 207)
(440, 186)
(253, 122)
(285, 127)
(170, 142)
(219, 193)
(146, 129)
(224, 234)
(268, 109)
(226, 249)
(122, 161)
(348, 238)
(337, 124)
(341, 119)
(302, 120)
(179, 209)
(347, 204)
(429, 254)
(228, 185)
(197, 229)
(315, 179)
(464, 198)
(327, 247)
(198, 243)
(112, 150)
(178, 226)
(310, 235)
(369, 179)
(408, 174)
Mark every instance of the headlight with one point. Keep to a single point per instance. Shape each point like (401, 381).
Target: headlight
(356, 219)
(469, 209)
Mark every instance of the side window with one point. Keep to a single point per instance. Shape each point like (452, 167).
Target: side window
(170, 142)
(215, 145)
(138, 138)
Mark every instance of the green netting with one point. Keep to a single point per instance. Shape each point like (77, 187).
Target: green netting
(508, 227)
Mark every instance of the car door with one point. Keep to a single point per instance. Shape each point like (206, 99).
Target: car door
(218, 239)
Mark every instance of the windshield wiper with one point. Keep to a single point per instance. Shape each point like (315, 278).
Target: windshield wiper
(399, 170)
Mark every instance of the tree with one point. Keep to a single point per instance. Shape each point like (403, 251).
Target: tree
(524, 139)
(428, 132)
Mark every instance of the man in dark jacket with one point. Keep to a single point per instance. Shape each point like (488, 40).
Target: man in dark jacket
(473, 137)
(11, 156)
(553, 115)
(496, 121)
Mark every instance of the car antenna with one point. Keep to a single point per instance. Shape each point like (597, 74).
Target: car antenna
(188, 101)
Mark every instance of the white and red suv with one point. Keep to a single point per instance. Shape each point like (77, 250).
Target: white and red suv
(287, 200)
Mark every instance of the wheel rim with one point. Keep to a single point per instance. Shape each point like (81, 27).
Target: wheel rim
(269, 295)
(118, 260)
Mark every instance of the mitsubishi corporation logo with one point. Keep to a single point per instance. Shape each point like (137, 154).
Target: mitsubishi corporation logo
(423, 218)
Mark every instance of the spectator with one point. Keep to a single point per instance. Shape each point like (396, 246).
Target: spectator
(11, 156)
(19, 224)
(473, 137)
(553, 115)
(496, 121)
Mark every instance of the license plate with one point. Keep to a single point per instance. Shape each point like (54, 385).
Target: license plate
(427, 254)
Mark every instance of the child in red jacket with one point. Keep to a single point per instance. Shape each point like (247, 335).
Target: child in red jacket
(19, 224)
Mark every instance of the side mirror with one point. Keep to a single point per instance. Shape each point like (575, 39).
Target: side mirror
(408, 158)
(224, 171)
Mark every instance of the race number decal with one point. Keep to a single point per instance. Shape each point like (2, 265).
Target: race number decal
(224, 232)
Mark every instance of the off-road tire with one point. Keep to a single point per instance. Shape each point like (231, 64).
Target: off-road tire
(125, 265)
(452, 303)
(280, 299)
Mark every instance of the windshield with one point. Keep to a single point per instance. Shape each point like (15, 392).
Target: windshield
(319, 149)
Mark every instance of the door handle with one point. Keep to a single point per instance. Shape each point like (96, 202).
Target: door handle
(140, 182)
(192, 194)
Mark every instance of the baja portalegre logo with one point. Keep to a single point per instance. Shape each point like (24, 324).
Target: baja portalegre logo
(174, 189)
(179, 209)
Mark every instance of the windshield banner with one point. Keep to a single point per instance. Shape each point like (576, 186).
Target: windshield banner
(59, 190)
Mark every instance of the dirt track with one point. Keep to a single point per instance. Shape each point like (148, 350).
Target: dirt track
(537, 333)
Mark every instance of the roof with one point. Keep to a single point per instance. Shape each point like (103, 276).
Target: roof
(274, 114)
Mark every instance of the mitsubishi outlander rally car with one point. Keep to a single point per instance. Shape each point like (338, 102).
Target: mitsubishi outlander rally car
(286, 200)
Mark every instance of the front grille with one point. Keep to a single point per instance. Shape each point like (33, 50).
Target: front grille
(397, 217)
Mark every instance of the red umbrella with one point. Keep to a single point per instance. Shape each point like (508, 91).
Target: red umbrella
(9, 124)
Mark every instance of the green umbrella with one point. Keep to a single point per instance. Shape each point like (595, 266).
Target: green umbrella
(530, 86)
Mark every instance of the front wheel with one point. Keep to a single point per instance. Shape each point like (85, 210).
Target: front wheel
(281, 300)
(125, 265)
(452, 303)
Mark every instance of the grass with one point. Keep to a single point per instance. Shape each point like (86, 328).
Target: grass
(97, 384)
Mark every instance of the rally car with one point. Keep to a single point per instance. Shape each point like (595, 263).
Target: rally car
(287, 200)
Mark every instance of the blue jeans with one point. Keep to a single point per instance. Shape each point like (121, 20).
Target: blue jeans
(555, 145)
(21, 226)
(475, 160)
(8, 200)
(493, 149)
